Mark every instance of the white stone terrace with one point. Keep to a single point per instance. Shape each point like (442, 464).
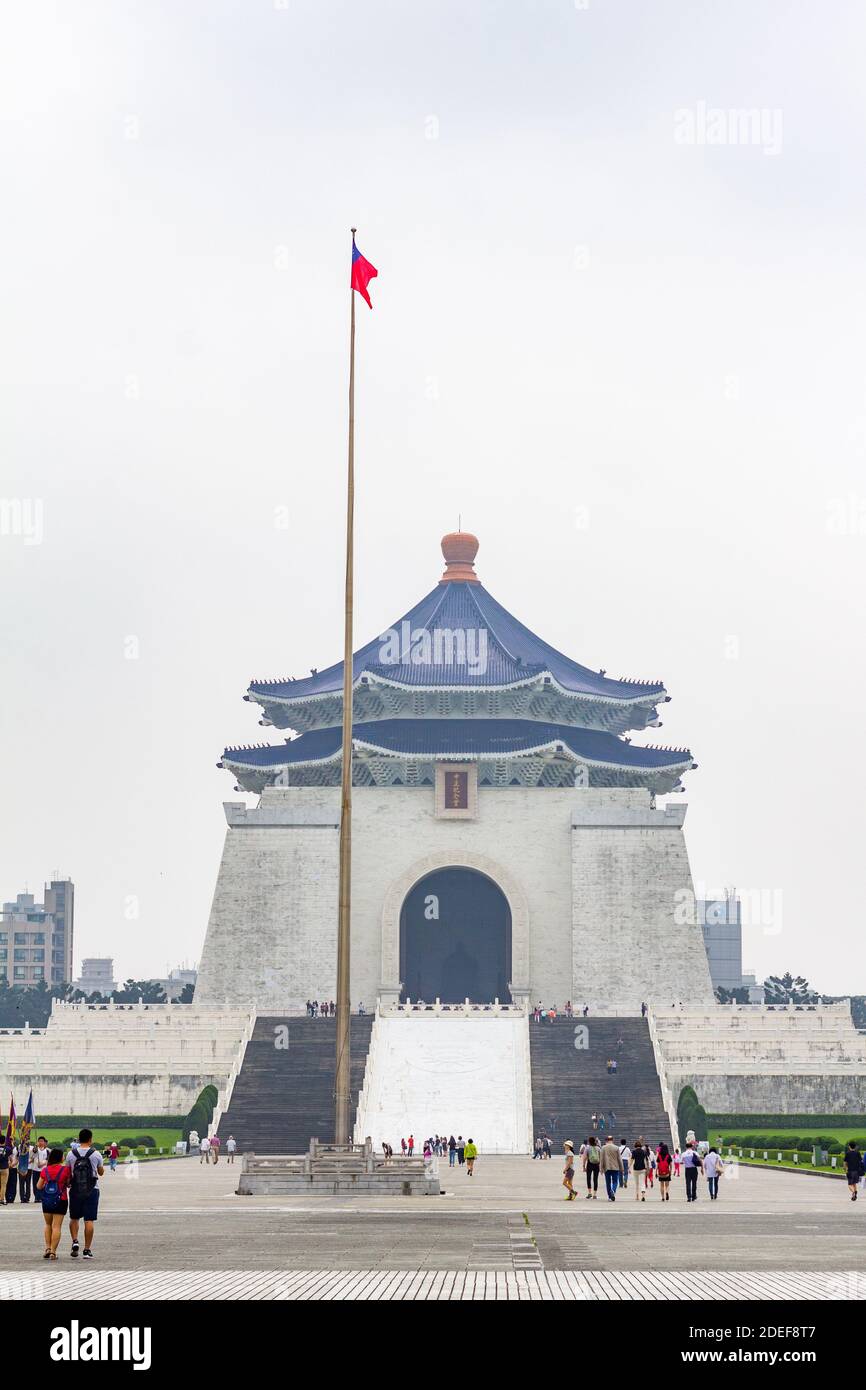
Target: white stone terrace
(819, 1039)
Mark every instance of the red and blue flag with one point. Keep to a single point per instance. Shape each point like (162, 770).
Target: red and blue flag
(362, 273)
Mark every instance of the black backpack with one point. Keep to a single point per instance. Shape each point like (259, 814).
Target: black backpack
(83, 1176)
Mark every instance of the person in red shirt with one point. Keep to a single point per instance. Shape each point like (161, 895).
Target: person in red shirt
(53, 1184)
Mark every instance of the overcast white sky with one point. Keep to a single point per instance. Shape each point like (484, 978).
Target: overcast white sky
(634, 365)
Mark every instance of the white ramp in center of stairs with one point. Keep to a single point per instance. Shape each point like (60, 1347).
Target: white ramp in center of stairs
(448, 1075)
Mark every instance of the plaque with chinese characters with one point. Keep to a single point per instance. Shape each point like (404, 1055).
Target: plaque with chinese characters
(457, 790)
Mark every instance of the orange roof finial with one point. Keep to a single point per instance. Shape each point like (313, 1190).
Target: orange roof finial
(459, 549)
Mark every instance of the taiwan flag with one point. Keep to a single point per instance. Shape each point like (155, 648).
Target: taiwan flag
(362, 273)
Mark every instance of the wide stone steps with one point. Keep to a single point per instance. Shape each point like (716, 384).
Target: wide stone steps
(284, 1095)
(569, 1083)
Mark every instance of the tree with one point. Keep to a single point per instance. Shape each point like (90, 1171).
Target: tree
(789, 989)
(148, 991)
(740, 995)
(186, 995)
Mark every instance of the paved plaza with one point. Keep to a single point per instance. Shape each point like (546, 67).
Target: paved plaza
(177, 1229)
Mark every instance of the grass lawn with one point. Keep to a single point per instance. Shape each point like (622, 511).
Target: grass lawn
(163, 1138)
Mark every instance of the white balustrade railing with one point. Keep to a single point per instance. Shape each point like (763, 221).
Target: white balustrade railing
(667, 1094)
(467, 1009)
(225, 1093)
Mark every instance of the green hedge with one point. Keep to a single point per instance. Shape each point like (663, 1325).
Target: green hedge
(802, 1143)
(802, 1157)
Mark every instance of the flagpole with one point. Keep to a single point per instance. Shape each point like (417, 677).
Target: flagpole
(342, 1091)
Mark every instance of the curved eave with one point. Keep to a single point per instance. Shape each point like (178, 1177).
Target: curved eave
(404, 747)
(546, 679)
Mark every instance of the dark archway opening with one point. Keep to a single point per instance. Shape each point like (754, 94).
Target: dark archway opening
(455, 939)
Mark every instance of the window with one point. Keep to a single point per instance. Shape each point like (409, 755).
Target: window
(38, 973)
(58, 958)
(3, 953)
(57, 975)
(20, 955)
(21, 938)
(19, 972)
(38, 938)
(4, 936)
(38, 955)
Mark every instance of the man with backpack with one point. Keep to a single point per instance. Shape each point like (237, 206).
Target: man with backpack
(86, 1168)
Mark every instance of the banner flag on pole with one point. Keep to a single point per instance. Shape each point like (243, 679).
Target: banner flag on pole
(10, 1124)
(29, 1121)
(362, 273)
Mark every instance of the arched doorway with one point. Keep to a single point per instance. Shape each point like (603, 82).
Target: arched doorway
(455, 939)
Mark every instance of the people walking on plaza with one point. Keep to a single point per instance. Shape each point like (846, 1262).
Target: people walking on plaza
(853, 1167)
(546, 1146)
(411, 1145)
(231, 1148)
(625, 1155)
(691, 1164)
(204, 1151)
(86, 1168)
(591, 1164)
(650, 1165)
(538, 1147)
(611, 1166)
(461, 1150)
(594, 1118)
(53, 1192)
(677, 1163)
(403, 1146)
(664, 1166)
(568, 1171)
(215, 1147)
(643, 1010)
(452, 1151)
(569, 1011)
(470, 1153)
(713, 1169)
(113, 1152)
(639, 1161)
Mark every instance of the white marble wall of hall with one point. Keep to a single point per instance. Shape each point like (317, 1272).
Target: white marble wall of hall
(593, 878)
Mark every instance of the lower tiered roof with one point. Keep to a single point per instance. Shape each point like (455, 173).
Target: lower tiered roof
(520, 752)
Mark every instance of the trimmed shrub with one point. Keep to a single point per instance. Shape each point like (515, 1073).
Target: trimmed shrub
(201, 1113)
(691, 1115)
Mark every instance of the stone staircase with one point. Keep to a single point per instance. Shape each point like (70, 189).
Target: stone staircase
(449, 1072)
(568, 1084)
(284, 1096)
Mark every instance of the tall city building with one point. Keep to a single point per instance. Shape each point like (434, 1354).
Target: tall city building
(722, 926)
(36, 938)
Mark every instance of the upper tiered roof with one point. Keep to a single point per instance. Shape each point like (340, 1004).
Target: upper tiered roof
(459, 654)
(458, 678)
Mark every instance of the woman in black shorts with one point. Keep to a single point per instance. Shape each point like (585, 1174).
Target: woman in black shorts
(53, 1184)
